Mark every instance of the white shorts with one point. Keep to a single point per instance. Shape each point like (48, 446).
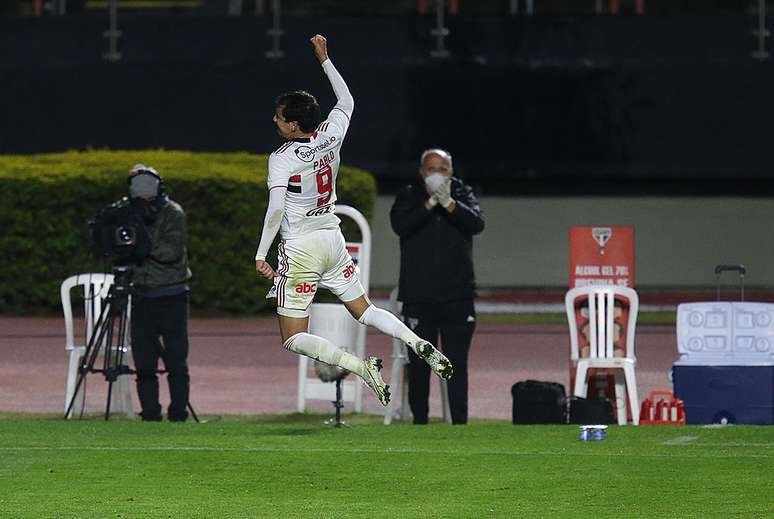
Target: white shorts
(319, 259)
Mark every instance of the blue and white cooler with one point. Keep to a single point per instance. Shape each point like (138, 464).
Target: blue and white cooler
(725, 372)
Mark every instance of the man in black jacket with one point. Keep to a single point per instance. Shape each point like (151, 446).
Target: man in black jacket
(160, 302)
(436, 218)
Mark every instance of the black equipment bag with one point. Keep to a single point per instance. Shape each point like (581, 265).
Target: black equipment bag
(536, 402)
(590, 412)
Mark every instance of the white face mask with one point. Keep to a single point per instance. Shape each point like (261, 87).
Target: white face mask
(434, 180)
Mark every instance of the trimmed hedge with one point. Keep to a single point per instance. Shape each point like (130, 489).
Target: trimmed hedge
(47, 200)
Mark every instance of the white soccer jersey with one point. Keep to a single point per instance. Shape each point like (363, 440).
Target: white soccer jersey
(308, 167)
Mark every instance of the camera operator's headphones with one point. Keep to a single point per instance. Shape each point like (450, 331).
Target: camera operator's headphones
(142, 169)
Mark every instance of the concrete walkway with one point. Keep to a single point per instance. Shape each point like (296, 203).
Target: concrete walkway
(239, 367)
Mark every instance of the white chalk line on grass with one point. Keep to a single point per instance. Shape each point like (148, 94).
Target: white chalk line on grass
(293, 450)
(729, 444)
(681, 440)
(689, 441)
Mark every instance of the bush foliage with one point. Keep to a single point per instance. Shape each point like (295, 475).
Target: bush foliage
(47, 200)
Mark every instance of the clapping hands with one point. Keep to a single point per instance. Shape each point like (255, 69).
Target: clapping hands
(439, 187)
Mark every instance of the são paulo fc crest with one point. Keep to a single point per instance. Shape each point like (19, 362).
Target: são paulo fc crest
(601, 235)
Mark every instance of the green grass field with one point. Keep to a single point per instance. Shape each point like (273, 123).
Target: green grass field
(293, 466)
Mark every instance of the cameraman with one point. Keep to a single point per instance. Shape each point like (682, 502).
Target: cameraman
(160, 301)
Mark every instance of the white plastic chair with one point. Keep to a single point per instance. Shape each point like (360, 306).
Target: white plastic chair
(95, 291)
(399, 407)
(601, 313)
(333, 321)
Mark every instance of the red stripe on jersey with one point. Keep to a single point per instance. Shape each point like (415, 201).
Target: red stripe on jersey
(294, 184)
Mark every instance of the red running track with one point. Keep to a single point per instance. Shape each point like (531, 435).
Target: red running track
(239, 367)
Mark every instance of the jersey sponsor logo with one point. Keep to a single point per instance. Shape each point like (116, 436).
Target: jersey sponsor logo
(306, 288)
(326, 209)
(307, 153)
(348, 271)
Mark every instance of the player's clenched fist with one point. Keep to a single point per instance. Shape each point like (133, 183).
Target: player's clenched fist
(320, 45)
(263, 268)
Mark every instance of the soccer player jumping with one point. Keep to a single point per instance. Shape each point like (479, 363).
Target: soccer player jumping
(311, 252)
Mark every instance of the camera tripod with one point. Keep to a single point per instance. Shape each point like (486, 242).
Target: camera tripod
(109, 335)
(336, 421)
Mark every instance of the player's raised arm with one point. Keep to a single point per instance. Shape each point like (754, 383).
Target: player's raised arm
(345, 102)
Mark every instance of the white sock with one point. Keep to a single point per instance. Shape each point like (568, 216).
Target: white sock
(322, 349)
(387, 323)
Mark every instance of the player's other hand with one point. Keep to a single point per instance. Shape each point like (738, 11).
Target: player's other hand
(264, 269)
(320, 45)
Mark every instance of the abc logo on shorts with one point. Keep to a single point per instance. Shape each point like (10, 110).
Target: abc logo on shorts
(306, 288)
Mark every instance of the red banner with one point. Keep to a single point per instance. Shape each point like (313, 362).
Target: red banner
(601, 256)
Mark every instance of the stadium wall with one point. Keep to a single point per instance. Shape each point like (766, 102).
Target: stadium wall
(678, 241)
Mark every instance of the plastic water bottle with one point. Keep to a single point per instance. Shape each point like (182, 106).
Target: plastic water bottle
(593, 432)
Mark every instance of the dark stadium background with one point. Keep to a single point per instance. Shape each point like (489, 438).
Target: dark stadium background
(564, 102)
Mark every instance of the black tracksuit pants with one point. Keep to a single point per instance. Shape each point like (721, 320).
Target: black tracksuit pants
(160, 330)
(455, 322)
